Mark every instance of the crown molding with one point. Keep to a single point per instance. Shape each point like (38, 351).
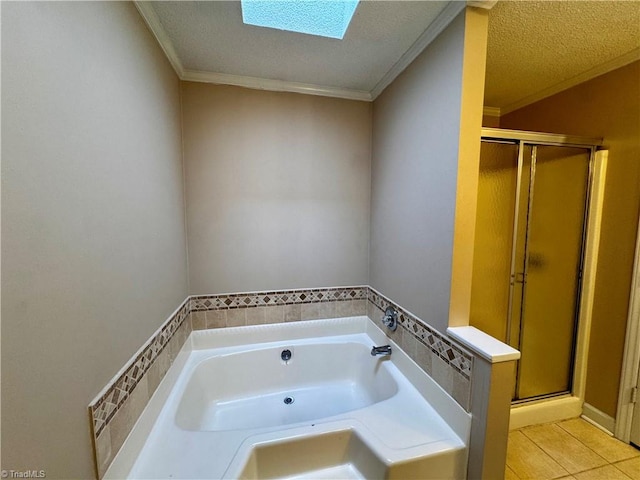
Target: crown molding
(257, 83)
(601, 69)
(154, 24)
(444, 18)
(491, 111)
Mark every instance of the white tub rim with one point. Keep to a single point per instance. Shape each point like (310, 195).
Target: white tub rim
(449, 410)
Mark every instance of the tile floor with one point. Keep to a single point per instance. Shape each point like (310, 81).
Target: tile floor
(570, 449)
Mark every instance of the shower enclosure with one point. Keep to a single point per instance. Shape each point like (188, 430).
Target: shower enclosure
(529, 249)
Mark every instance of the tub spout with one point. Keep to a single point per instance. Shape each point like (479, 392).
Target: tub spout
(383, 350)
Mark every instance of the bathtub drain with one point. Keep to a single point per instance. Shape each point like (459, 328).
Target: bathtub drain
(285, 355)
(288, 400)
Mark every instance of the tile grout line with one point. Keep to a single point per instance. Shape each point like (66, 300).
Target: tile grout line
(539, 447)
(571, 475)
(599, 430)
(582, 443)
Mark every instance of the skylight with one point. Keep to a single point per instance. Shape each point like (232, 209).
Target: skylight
(326, 18)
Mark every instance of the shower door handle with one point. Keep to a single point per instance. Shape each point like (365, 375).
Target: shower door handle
(520, 277)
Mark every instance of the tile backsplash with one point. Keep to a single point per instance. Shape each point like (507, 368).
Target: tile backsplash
(238, 309)
(277, 297)
(115, 410)
(447, 362)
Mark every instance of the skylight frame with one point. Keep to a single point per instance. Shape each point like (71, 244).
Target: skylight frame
(324, 18)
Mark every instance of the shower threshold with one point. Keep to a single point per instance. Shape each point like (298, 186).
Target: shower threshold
(540, 398)
(551, 408)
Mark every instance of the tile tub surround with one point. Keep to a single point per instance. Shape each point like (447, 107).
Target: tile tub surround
(241, 309)
(178, 431)
(116, 409)
(445, 360)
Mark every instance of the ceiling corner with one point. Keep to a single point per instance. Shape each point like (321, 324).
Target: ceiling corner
(257, 83)
(590, 74)
(486, 4)
(433, 29)
(153, 22)
(491, 111)
(444, 18)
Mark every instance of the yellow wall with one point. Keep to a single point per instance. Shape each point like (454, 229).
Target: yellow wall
(473, 70)
(607, 106)
(490, 121)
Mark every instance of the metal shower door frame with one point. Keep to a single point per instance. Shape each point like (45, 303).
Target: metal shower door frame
(535, 139)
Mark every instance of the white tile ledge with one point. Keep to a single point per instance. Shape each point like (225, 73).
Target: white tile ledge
(489, 348)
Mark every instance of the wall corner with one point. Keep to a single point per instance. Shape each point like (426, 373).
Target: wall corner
(472, 99)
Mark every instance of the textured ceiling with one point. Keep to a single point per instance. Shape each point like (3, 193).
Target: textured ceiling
(537, 47)
(209, 36)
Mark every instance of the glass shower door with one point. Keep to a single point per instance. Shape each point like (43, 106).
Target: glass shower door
(494, 236)
(528, 257)
(551, 269)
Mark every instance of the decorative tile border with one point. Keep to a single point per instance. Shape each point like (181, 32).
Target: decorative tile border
(278, 297)
(107, 403)
(448, 363)
(455, 356)
(103, 408)
(112, 399)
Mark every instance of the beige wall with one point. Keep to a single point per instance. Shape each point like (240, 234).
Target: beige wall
(277, 189)
(93, 245)
(417, 132)
(607, 106)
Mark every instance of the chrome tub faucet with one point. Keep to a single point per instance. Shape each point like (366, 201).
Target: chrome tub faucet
(382, 350)
(390, 319)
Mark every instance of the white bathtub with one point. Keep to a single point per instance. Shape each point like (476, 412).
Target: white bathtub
(319, 380)
(231, 407)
